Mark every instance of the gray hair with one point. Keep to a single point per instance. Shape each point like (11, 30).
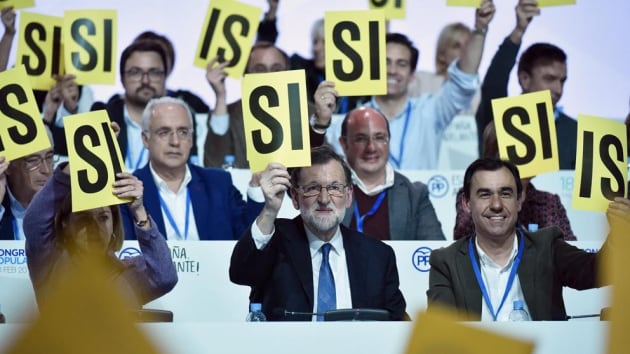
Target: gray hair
(147, 114)
(317, 30)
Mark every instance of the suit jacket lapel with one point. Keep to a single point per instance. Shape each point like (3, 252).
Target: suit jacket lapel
(398, 217)
(471, 291)
(527, 276)
(199, 197)
(355, 262)
(300, 255)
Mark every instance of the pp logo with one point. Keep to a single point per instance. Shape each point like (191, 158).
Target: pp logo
(129, 252)
(438, 186)
(420, 259)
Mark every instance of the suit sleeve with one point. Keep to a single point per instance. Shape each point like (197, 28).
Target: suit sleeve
(440, 281)
(429, 227)
(577, 268)
(395, 301)
(249, 265)
(495, 84)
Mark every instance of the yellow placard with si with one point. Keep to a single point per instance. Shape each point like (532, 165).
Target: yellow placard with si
(276, 119)
(95, 158)
(17, 4)
(545, 3)
(601, 168)
(89, 38)
(39, 48)
(394, 9)
(526, 132)
(355, 52)
(438, 331)
(228, 33)
(22, 131)
(464, 3)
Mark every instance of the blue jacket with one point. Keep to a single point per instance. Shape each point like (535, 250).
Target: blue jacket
(219, 209)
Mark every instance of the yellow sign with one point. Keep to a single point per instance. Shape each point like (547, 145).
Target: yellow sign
(22, 130)
(544, 3)
(39, 48)
(464, 3)
(276, 119)
(85, 300)
(355, 52)
(17, 4)
(94, 158)
(394, 9)
(89, 38)
(477, 3)
(228, 32)
(616, 273)
(601, 168)
(438, 331)
(526, 132)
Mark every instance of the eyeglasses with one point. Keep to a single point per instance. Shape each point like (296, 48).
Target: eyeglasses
(364, 140)
(34, 162)
(313, 190)
(137, 74)
(182, 133)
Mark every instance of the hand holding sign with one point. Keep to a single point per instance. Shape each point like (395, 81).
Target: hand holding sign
(8, 21)
(275, 119)
(95, 160)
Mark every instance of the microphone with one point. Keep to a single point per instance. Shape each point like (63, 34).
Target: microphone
(358, 314)
(583, 316)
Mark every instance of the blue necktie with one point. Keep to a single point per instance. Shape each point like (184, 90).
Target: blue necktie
(326, 297)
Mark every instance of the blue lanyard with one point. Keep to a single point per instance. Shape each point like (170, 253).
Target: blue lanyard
(15, 229)
(397, 161)
(171, 220)
(508, 286)
(375, 206)
(138, 162)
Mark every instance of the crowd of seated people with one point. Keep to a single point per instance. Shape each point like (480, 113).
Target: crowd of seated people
(354, 188)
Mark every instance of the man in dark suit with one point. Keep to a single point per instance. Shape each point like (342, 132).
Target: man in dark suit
(535, 265)
(542, 66)
(187, 202)
(298, 265)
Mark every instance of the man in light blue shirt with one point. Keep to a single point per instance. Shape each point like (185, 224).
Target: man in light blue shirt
(417, 123)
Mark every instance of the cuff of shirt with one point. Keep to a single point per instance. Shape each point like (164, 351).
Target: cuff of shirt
(219, 123)
(463, 79)
(261, 240)
(255, 194)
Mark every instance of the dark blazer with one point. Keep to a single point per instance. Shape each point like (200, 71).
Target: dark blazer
(219, 208)
(6, 224)
(411, 214)
(548, 264)
(281, 274)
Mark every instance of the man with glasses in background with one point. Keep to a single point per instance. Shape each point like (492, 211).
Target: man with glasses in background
(187, 202)
(386, 204)
(311, 264)
(20, 179)
(143, 75)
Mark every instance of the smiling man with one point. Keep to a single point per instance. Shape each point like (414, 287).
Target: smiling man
(483, 274)
(312, 264)
(417, 124)
(386, 204)
(187, 202)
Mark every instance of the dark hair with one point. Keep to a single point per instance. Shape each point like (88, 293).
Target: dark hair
(540, 54)
(400, 38)
(490, 164)
(61, 217)
(321, 155)
(141, 46)
(267, 45)
(163, 41)
(344, 124)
